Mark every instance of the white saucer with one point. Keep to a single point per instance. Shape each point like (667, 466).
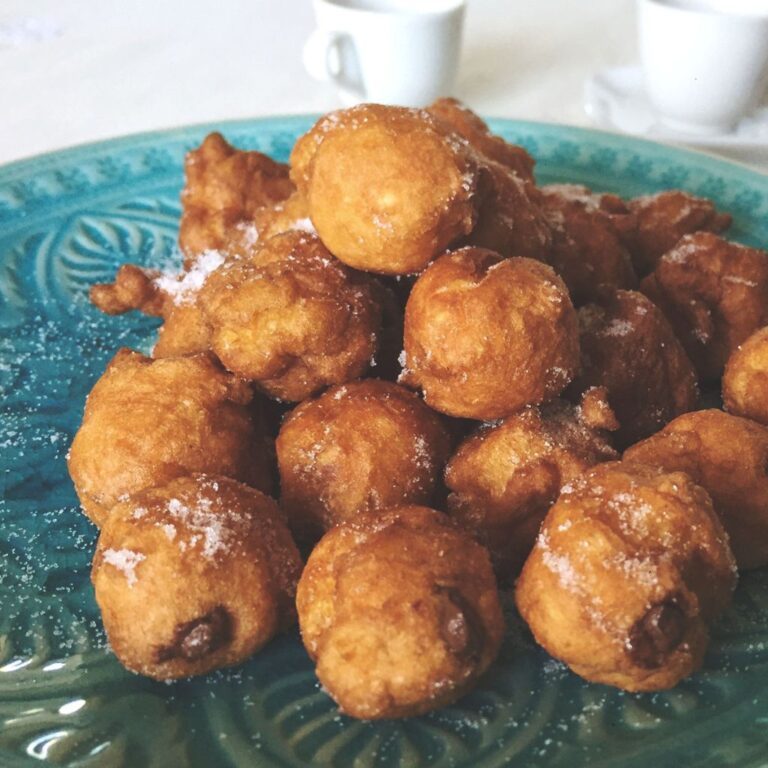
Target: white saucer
(615, 100)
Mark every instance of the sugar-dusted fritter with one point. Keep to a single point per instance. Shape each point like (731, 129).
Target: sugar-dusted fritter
(485, 336)
(745, 381)
(148, 422)
(660, 221)
(587, 248)
(505, 476)
(194, 575)
(225, 187)
(715, 295)
(388, 187)
(400, 613)
(728, 457)
(628, 347)
(359, 447)
(291, 318)
(463, 121)
(629, 569)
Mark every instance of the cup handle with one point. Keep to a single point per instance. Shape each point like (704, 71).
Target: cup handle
(324, 57)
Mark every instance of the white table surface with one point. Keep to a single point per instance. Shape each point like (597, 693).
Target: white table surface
(73, 71)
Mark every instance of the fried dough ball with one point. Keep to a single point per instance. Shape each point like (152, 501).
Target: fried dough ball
(587, 249)
(510, 222)
(389, 189)
(628, 347)
(715, 295)
(292, 319)
(463, 121)
(745, 381)
(357, 448)
(133, 288)
(194, 575)
(485, 336)
(630, 567)
(728, 457)
(662, 219)
(225, 186)
(505, 477)
(148, 421)
(400, 612)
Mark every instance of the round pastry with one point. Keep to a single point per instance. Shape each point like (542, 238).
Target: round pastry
(728, 457)
(194, 575)
(400, 612)
(148, 421)
(504, 478)
(715, 295)
(628, 347)
(389, 188)
(587, 250)
(745, 381)
(630, 567)
(357, 448)
(291, 318)
(486, 336)
(660, 220)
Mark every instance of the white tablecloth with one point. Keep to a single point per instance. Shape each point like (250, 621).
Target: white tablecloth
(73, 71)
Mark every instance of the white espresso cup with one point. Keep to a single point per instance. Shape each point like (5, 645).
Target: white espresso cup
(704, 61)
(386, 51)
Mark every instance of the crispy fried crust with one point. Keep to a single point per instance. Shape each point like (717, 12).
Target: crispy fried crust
(485, 336)
(727, 456)
(628, 347)
(148, 421)
(630, 567)
(745, 381)
(359, 447)
(172, 568)
(505, 476)
(400, 612)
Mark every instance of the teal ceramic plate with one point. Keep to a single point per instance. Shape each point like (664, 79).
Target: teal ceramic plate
(67, 220)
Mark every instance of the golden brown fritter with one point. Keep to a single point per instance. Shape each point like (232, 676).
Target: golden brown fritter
(715, 295)
(388, 188)
(291, 318)
(662, 219)
(628, 347)
(745, 381)
(359, 447)
(224, 187)
(133, 288)
(486, 336)
(148, 421)
(728, 457)
(194, 575)
(401, 613)
(630, 567)
(587, 250)
(463, 121)
(505, 477)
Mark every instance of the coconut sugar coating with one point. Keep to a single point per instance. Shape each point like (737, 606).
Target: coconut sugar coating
(728, 457)
(291, 318)
(587, 249)
(628, 347)
(715, 295)
(745, 381)
(225, 187)
(388, 187)
(505, 476)
(629, 569)
(400, 613)
(660, 221)
(486, 336)
(359, 447)
(148, 421)
(194, 575)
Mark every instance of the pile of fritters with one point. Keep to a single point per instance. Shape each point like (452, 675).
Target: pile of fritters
(432, 365)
